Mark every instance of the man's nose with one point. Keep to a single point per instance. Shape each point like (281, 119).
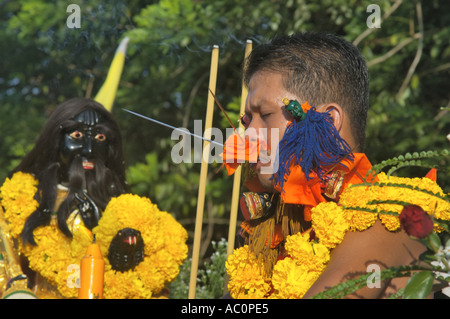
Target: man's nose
(253, 130)
(251, 133)
(256, 133)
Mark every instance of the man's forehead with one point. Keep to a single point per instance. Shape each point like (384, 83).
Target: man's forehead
(254, 103)
(266, 90)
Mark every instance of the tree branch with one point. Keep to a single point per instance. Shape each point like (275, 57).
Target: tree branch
(368, 31)
(393, 51)
(419, 51)
(439, 68)
(192, 95)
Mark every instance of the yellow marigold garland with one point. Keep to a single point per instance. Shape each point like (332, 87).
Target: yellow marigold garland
(392, 188)
(307, 258)
(17, 198)
(164, 240)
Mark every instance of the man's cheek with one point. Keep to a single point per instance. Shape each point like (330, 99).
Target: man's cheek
(273, 140)
(266, 181)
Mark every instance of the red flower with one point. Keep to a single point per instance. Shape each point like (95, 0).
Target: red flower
(415, 221)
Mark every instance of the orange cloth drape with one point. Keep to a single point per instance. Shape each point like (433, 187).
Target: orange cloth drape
(298, 190)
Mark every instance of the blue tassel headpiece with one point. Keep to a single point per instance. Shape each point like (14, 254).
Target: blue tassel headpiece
(311, 141)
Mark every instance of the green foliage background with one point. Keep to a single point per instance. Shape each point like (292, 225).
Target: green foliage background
(166, 75)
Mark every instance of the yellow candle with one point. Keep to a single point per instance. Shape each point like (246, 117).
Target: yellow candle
(92, 273)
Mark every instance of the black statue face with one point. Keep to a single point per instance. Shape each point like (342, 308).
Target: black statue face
(80, 147)
(86, 139)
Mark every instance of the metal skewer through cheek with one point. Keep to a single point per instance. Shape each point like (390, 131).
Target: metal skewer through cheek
(172, 127)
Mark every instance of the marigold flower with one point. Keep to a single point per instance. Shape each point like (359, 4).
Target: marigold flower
(291, 279)
(246, 275)
(358, 197)
(330, 223)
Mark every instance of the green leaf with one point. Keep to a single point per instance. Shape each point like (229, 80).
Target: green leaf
(419, 285)
(434, 242)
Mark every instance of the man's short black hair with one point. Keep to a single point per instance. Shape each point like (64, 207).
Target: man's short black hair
(319, 68)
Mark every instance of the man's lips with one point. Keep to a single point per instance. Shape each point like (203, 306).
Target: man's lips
(263, 161)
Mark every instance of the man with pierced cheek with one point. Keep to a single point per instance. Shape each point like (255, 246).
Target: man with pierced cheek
(310, 93)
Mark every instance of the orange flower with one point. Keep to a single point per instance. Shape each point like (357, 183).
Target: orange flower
(238, 149)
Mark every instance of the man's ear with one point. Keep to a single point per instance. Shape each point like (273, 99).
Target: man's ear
(336, 113)
(340, 122)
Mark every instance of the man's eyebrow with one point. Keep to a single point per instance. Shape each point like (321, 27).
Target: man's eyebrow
(252, 108)
(257, 105)
(249, 108)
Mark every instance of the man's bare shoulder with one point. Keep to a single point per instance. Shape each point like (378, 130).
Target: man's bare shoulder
(362, 249)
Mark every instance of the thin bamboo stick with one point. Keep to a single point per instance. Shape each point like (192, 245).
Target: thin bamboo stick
(238, 172)
(203, 174)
